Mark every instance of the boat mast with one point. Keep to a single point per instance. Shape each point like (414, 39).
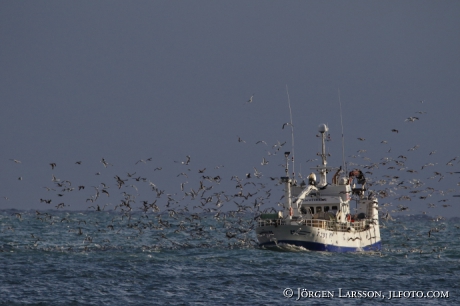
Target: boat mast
(288, 211)
(323, 130)
(343, 139)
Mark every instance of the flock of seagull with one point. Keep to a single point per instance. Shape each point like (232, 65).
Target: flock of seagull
(209, 202)
(195, 213)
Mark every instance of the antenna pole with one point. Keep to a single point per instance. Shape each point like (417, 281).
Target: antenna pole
(343, 140)
(292, 132)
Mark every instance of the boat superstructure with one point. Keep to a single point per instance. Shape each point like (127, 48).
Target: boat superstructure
(317, 215)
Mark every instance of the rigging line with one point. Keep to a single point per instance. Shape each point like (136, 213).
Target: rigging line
(292, 132)
(343, 140)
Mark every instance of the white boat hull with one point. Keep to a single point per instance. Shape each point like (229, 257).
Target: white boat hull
(319, 239)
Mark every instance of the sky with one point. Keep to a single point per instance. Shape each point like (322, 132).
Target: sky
(157, 81)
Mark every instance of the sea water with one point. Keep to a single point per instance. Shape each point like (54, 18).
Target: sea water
(108, 258)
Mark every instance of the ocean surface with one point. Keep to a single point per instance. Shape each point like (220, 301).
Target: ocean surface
(110, 258)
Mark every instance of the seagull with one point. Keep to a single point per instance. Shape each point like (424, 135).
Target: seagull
(287, 123)
(184, 162)
(60, 205)
(296, 232)
(105, 163)
(264, 161)
(395, 130)
(449, 163)
(16, 161)
(257, 173)
(250, 99)
(52, 165)
(426, 165)
(17, 215)
(278, 145)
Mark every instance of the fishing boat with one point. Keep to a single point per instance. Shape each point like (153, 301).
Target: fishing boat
(336, 216)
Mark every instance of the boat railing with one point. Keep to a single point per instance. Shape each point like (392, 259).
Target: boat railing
(275, 222)
(332, 225)
(337, 226)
